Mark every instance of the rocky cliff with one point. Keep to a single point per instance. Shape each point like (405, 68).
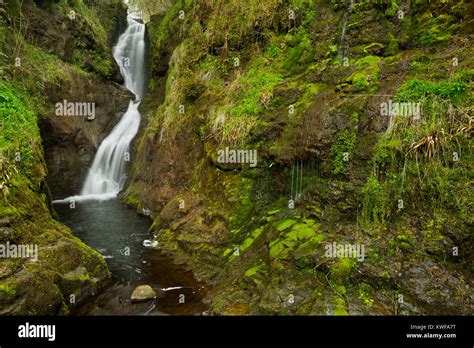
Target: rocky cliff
(306, 85)
(309, 157)
(52, 52)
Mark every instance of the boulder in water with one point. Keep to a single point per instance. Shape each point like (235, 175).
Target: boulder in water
(143, 293)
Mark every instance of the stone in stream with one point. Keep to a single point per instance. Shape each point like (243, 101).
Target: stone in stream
(143, 293)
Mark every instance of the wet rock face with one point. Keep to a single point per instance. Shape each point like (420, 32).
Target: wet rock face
(23, 299)
(64, 265)
(176, 155)
(83, 273)
(436, 290)
(70, 142)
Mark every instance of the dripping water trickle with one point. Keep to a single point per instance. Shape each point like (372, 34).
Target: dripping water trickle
(344, 27)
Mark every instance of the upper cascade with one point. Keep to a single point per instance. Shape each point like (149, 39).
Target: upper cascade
(130, 56)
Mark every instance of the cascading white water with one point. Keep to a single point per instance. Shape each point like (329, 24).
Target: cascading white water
(129, 54)
(106, 176)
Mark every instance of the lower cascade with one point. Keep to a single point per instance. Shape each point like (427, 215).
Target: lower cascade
(107, 174)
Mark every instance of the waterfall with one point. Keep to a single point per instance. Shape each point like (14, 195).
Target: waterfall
(129, 54)
(344, 27)
(107, 174)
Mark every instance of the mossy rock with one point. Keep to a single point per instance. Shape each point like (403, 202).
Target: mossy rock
(278, 249)
(284, 224)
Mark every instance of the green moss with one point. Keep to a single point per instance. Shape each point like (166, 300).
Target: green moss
(464, 75)
(249, 241)
(8, 289)
(254, 270)
(303, 231)
(132, 200)
(404, 161)
(306, 93)
(375, 205)
(393, 9)
(241, 113)
(239, 192)
(277, 249)
(363, 293)
(309, 247)
(436, 30)
(18, 122)
(419, 67)
(40, 68)
(341, 150)
(415, 90)
(284, 224)
(92, 16)
(299, 54)
(366, 75)
(371, 46)
(359, 81)
(77, 58)
(393, 47)
(339, 306)
(168, 24)
(167, 240)
(342, 268)
(246, 243)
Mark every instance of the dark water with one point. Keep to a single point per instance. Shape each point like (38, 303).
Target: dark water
(118, 233)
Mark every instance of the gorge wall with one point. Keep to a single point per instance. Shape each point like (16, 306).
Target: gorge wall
(52, 52)
(335, 165)
(272, 77)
